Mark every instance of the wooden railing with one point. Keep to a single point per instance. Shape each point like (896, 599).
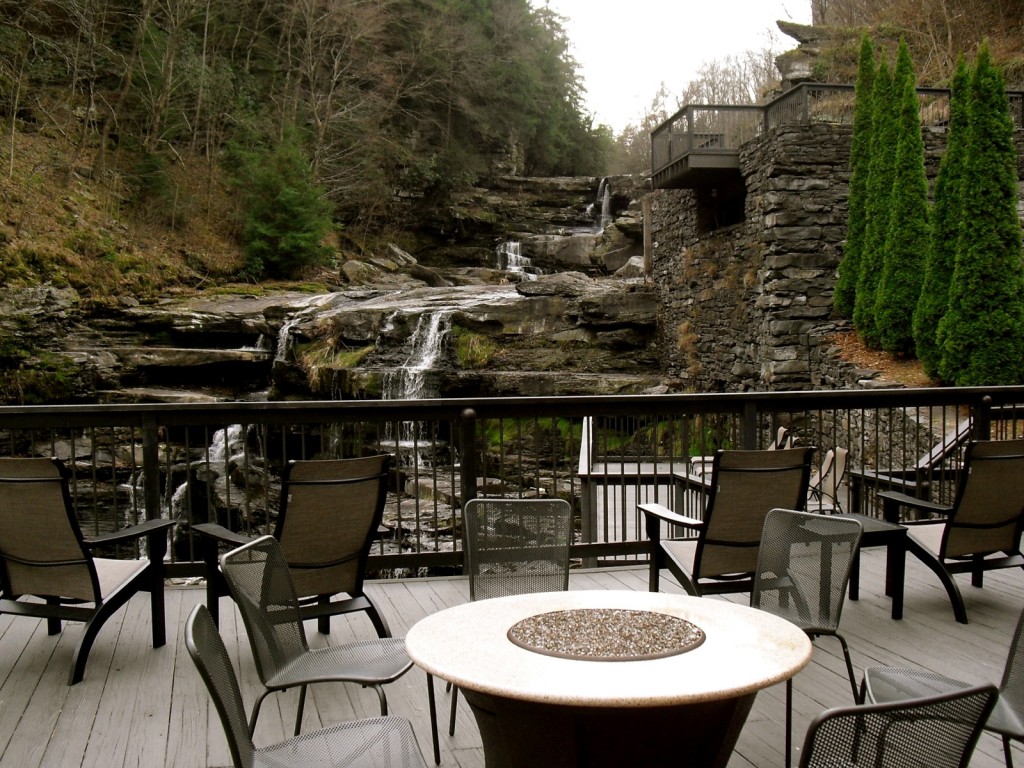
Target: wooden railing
(222, 462)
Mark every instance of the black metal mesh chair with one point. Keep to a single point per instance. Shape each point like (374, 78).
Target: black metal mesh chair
(937, 732)
(261, 585)
(885, 684)
(803, 569)
(376, 742)
(511, 547)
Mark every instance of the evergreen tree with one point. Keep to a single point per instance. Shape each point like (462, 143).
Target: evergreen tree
(287, 215)
(860, 157)
(946, 217)
(879, 191)
(982, 333)
(908, 236)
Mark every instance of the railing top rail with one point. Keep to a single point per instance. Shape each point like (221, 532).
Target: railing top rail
(454, 408)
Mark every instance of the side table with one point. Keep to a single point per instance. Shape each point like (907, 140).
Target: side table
(879, 533)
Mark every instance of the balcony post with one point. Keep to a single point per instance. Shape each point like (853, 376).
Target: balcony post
(983, 419)
(151, 466)
(748, 438)
(467, 455)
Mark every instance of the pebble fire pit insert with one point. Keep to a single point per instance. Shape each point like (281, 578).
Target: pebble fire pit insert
(606, 634)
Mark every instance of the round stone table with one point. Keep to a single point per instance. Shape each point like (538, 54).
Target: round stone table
(557, 705)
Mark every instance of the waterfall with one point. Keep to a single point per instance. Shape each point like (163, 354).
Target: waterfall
(427, 343)
(509, 257)
(604, 205)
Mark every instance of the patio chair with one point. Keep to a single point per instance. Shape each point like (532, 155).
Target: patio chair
(43, 554)
(744, 486)
(803, 569)
(823, 495)
(981, 531)
(261, 584)
(369, 743)
(938, 732)
(885, 684)
(512, 547)
(916, 481)
(342, 497)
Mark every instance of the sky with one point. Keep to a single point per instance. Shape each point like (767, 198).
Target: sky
(627, 48)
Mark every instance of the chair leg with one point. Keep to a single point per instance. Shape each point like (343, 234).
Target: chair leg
(1007, 752)
(432, 703)
(379, 624)
(302, 707)
(451, 719)
(323, 623)
(952, 590)
(849, 667)
(156, 606)
(789, 721)
(256, 711)
(382, 698)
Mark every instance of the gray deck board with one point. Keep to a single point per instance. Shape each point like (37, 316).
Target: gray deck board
(143, 707)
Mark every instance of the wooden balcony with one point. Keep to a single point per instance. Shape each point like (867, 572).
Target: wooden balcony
(143, 707)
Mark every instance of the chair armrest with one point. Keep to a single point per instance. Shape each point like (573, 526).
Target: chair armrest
(893, 500)
(219, 533)
(129, 534)
(662, 512)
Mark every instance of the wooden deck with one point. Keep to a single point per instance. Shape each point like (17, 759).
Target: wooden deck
(143, 707)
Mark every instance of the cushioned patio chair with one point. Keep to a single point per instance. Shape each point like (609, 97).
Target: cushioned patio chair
(937, 732)
(743, 487)
(885, 684)
(329, 516)
(981, 531)
(512, 547)
(803, 569)
(260, 582)
(43, 554)
(369, 743)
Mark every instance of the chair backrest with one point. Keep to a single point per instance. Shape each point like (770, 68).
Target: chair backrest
(207, 650)
(329, 515)
(516, 546)
(745, 485)
(989, 506)
(803, 568)
(937, 731)
(261, 585)
(831, 482)
(41, 549)
(782, 439)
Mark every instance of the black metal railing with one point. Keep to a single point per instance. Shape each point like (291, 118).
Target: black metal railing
(222, 462)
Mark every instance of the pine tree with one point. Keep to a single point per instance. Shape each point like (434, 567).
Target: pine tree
(946, 217)
(982, 333)
(860, 157)
(908, 236)
(879, 191)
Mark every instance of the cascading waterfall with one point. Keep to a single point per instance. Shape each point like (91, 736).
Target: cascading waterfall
(509, 256)
(604, 204)
(427, 343)
(409, 382)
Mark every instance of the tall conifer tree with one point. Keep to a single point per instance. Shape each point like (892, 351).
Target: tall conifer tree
(860, 157)
(908, 236)
(946, 217)
(982, 334)
(879, 191)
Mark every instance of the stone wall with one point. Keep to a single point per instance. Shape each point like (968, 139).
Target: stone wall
(749, 306)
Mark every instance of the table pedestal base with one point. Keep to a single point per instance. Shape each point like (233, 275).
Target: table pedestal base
(521, 734)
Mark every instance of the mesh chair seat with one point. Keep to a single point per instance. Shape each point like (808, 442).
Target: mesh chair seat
(371, 743)
(369, 662)
(938, 732)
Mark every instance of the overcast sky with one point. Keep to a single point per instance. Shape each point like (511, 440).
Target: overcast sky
(627, 48)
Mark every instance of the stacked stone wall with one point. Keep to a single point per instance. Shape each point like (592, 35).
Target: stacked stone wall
(750, 306)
